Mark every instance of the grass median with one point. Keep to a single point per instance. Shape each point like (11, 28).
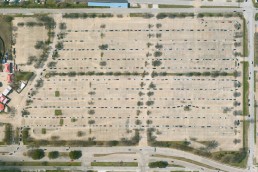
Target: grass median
(41, 163)
(174, 6)
(115, 164)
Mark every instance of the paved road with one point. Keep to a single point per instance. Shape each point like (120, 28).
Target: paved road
(143, 152)
(117, 11)
(249, 16)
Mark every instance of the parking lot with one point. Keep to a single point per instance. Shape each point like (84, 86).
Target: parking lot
(110, 106)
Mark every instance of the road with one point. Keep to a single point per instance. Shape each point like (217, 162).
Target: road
(146, 152)
(142, 152)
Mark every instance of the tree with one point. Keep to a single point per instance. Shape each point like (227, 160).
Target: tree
(206, 73)
(187, 108)
(31, 59)
(25, 112)
(102, 63)
(149, 44)
(236, 103)
(39, 45)
(161, 16)
(156, 63)
(158, 25)
(62, 26)
(157, 54)
(212, 144)
(150, 93)
(113, 143)
(75, 154)
(59, 45)
(91, 122)
(152, 85)
(149, 121)
(236, 141)
(8, 18)
(103, 47)
(53, 155)
(51, 64)
(158, 46)
(36, 153)
(91, 112)
(140, 93)
(215, 74)
(149, 103)
(139, 103)
(158, 164)
(237, 94)
(138, 122)
(80, 134)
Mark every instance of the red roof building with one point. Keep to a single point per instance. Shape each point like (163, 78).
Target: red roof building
(7, 67)
(1, 107)
(3, 99)
(10, 78)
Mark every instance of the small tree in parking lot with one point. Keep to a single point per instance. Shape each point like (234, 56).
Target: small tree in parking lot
(91, 122)
(103, 46)
(156, 63)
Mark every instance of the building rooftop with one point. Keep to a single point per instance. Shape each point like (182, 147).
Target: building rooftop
(7, 67)
(10, 78)
(1, 107)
